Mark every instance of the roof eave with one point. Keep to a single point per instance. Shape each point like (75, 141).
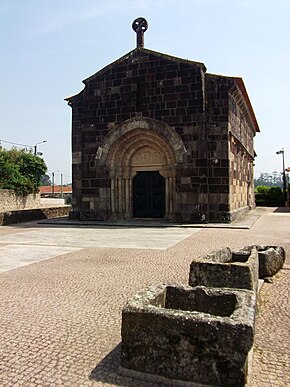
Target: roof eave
(242, 87)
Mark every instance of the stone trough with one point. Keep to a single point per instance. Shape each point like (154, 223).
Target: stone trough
(271, 259)
(191, 334)
(226, 269)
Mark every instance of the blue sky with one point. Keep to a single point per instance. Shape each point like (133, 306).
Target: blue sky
(49, 46)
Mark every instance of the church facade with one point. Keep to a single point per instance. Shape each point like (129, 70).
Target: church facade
(157, 137)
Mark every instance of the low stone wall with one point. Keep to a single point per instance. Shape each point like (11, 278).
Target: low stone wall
(191, 334)
(11, 217)
(10, 201)
(52, 202)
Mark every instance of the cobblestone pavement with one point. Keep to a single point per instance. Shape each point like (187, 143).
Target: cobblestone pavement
(60, 318)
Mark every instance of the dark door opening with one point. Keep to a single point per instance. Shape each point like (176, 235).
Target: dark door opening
(148, 195)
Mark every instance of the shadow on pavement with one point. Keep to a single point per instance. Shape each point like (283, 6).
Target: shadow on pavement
(107, 370)
(57, 223)
(282, 209)
(244, 222)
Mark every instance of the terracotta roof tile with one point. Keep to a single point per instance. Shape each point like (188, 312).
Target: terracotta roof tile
(57, 189)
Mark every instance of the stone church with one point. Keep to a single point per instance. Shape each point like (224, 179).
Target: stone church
(157, 137)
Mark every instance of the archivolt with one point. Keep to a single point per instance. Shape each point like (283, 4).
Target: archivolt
(154, 129)
(140, 144)
(123, 150)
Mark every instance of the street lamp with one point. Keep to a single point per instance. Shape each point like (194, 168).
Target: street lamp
(281, 152)
(53, 181)
(35, 146)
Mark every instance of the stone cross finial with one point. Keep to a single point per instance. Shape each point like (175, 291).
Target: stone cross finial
(140, 25)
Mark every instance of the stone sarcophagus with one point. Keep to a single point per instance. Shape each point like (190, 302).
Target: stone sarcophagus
(226, 269)
(271, 259)
(192, 334)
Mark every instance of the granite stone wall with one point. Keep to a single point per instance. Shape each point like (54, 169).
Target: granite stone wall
(147, 85)
(10, 201)
(241, 137)
(205, 111)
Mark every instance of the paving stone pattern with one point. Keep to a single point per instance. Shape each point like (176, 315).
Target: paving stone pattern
(60, 318)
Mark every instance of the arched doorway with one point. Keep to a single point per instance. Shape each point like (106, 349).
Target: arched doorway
(148, 195)
(133, 154)
(148, 148)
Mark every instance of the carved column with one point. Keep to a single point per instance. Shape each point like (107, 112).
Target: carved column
(127, 198)
(119, 196)
(130, 196)
(167, 193)
(171, 196)
(113, 208)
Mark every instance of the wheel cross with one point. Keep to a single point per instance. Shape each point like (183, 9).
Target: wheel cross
(140, 25)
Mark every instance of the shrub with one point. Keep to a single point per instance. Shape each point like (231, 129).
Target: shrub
(269, 196)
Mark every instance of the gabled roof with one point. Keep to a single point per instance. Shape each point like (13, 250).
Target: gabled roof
(239, 85)
(242, 87)
(138, 52)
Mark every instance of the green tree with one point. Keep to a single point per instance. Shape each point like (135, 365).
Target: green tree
(269, 180)
(20, 171)
(45, 180)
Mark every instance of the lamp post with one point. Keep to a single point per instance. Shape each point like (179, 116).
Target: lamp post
(52, 178)
(281, 152)
(61, 186)
(53, 181)
(35, 146)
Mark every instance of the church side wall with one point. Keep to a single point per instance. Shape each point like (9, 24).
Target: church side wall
(76, 139)
(218, 147)
(241, 156)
